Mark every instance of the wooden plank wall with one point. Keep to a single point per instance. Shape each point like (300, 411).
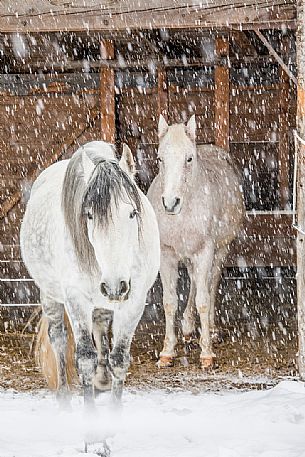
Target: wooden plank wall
(36, 127)
(35, 130)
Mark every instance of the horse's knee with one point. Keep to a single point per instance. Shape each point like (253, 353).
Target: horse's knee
(119, 361)
(86, 357)
(169, 308)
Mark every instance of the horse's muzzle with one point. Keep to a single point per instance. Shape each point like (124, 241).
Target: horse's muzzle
(172, 207)
(119, 293)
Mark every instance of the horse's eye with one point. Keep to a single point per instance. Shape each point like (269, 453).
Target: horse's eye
(189, 160)
(89, 215)
(133, 214)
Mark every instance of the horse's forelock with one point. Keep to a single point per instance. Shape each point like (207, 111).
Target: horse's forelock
(175, 137)
(108, 184)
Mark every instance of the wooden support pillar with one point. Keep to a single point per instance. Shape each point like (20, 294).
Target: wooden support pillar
(301, 186)
(283, 150)
(162, 93)
(222, 96)
(107, 94)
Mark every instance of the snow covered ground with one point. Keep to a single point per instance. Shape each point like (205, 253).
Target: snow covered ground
(268, 423)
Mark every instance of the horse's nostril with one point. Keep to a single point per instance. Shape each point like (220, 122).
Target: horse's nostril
(172, 205)
(123, 287)
(104, 289)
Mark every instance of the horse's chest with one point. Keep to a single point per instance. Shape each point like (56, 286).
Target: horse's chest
(184, 239)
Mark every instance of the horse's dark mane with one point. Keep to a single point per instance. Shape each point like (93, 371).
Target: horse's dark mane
(108, 184)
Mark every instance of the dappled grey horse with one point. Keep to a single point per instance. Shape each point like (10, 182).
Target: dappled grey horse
(90, 240)
(199, 205)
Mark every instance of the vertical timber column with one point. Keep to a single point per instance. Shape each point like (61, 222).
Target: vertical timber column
(107, 94)
(283, 151)
(301, 186)
(162, 93)
(222, 95)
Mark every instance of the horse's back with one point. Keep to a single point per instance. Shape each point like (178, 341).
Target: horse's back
(219, 177)
(218, 162)
(52, 176)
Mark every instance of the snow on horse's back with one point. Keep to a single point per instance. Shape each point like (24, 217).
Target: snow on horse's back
(199, 206)
(90, 240)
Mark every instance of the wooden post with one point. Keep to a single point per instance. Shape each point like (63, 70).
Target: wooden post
(222, 96)
(107, 94)
(301, 186)
(162, 93)
(283, 150)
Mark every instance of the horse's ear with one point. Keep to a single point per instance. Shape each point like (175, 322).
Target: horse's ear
(162, 126)
(88, 166)
(191, 128)
(127, 163)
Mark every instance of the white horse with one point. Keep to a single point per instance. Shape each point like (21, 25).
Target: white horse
(90, 240)
(199, 206)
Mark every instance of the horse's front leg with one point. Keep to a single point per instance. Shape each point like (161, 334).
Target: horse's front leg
(188, 321)
(125, 322)
(169, 278)
(203, 262)
(219, 258)
(80, 315)
(102, 319)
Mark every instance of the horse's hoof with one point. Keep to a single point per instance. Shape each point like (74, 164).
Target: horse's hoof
(207, 362)
(101, 449)
(64, 400)
(165, 361)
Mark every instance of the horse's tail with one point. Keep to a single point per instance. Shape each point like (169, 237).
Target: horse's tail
(45, 357)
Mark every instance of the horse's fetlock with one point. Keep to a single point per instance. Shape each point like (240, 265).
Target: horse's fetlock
(119, 363)
(86, 360)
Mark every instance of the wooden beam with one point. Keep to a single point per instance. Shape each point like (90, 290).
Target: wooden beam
(107, 94)
(33, 16)
(301, 186)
(162, 93)
(78, 65)
(283, 150)
(11, 201)
(276, 56)
(222, 96)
